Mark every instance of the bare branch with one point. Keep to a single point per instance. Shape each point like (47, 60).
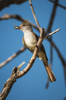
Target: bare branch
(9, 83)
(33, 57)
(12, 57)
(47, 83)
(58, 4)
(17, 17)
(52, 43)
(64, 98)
(64, 69)
(6, 3)
(51, 53)
(51, 33)
(58, 52)
(21, 65)
(55, 6)
(34, 15)
(6, 17)
(52, 17)
(17, 74)
(51, 59)
(49, 30)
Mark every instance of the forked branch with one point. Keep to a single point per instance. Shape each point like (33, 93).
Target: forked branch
(17, 73)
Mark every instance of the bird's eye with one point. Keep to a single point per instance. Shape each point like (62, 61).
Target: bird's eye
(23, 24)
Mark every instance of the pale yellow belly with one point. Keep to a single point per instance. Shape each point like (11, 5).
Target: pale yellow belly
(30, 42)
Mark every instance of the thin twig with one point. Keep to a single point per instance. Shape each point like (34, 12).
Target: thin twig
(12, 57)
(21, 65)
(51, 33)
(47, 83)
(51, 53)
(34, 15)
(52, 17)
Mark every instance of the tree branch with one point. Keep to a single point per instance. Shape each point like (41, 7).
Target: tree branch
(17, 74)
(58, 4)
(34, 15)
(7, 3)
(17, 17)
(9, 83)
(52, 17)
(52, 43)
(51, 60)
(50, 28)
(12, 57)
(51, 33)
(6, 17)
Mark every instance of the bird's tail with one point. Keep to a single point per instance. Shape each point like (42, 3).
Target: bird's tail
(43, 57)
(49, 72)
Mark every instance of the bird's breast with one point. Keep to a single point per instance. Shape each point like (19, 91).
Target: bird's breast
(30, 40)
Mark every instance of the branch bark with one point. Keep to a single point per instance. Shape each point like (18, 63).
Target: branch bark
(9, 83)
(59, 5)
(7, 3)
(17, 17)
(12, 57)
(52, 17)
(34, 15)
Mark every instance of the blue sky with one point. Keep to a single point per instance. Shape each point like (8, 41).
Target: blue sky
(32, 85)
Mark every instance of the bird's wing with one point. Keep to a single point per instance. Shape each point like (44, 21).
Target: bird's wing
(41, 47)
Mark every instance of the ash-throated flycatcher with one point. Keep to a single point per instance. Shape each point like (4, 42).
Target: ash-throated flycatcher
(30, 40)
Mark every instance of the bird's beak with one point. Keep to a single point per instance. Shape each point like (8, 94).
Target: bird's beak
(16, 27)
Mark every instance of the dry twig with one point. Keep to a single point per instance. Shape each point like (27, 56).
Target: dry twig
(12, 57)
(51, 33)
(34, 15)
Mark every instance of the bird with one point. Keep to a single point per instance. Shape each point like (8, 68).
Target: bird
(30, 40)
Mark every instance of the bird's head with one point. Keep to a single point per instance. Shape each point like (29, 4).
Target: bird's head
(24, 26)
